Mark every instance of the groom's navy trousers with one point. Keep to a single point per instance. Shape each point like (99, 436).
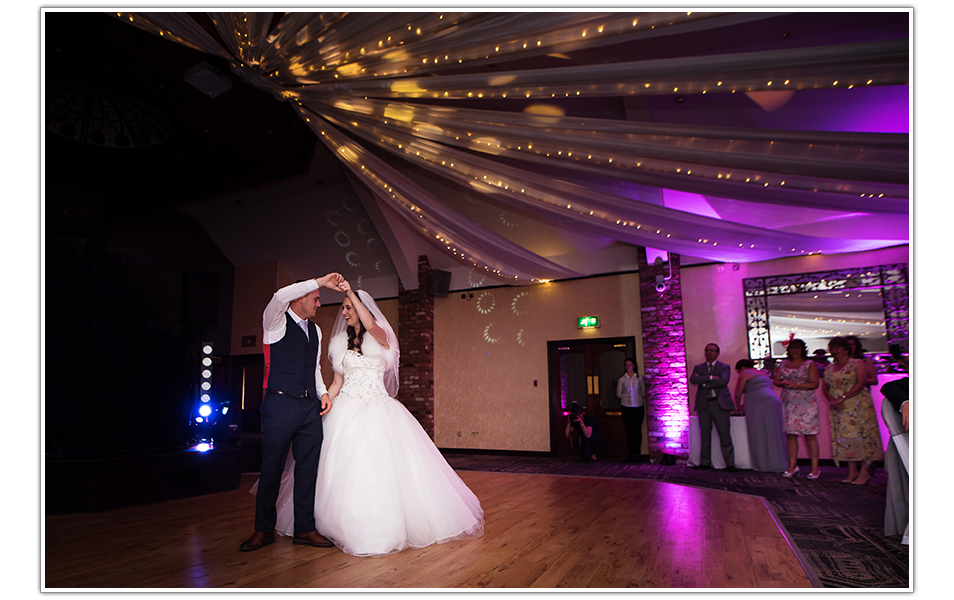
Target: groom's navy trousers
(290, 417)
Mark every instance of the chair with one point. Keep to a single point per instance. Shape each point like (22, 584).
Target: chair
(896, 464)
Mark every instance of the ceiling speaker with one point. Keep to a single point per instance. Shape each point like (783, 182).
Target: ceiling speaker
(207, 79)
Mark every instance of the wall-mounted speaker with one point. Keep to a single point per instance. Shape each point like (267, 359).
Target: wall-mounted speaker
(440, 283)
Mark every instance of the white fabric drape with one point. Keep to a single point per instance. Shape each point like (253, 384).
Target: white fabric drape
(481, 249)
(376, 87)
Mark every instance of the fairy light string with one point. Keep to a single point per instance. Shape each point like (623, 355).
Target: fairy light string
(641, 223)
(373, 73)
(639, 157)
(468, 242)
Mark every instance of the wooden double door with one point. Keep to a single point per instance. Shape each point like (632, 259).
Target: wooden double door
(586, 372)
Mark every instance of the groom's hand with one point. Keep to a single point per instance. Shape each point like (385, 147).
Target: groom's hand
(325, 404)
(331, 280)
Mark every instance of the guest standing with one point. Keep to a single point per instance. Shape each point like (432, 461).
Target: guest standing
(713, 405)
(820, 357)
(798, 378)
(856, 351)
(855, 437)
(631, 390)
(763, 417)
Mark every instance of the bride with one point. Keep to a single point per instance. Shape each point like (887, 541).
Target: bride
(382, 484)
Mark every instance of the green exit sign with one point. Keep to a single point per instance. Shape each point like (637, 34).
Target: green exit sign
(588, 322)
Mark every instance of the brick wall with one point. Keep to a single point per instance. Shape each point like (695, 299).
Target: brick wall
(664, 354)
(416, 338)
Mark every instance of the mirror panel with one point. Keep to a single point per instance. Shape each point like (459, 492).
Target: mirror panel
(823, 304)
(816, 317)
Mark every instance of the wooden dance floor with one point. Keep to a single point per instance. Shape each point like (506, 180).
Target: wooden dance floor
(542, 531)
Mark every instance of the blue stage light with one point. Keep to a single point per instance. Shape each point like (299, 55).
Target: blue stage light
(203, 423)
(225, 410)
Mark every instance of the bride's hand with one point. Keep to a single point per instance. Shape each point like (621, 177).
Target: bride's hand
(345, 286)
(331, 280)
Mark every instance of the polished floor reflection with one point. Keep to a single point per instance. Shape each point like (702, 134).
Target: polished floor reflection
(542, 531)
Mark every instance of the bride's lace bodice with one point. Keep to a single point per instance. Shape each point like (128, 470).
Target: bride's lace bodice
(363, 377)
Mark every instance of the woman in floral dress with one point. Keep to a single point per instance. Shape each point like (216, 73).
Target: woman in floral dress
(798, 378)
(854, 427)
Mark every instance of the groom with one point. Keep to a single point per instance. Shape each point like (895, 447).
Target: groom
(290, 416)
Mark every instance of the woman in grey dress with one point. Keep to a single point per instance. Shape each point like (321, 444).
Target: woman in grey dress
(763, 418)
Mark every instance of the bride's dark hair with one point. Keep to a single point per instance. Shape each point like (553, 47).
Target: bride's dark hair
(354, 342)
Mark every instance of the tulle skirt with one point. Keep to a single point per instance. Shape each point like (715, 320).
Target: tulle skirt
(382, 484)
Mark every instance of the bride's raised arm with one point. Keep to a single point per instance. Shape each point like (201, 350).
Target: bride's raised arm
(367, 320)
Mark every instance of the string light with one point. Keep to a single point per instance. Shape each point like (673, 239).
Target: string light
(569, 154)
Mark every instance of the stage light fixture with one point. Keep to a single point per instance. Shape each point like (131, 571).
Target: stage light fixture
(202, 420)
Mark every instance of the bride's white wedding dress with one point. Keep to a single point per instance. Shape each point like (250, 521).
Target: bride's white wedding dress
(382, 484)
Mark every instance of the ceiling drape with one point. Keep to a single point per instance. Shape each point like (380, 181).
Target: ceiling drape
(379, 87)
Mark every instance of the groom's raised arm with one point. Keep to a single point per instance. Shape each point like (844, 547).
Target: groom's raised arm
(273, 319)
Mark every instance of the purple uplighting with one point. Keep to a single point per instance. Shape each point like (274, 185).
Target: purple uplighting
(877, 110)
(882, 109)
(689, 202)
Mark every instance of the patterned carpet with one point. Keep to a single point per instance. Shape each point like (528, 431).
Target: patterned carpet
(838, 528)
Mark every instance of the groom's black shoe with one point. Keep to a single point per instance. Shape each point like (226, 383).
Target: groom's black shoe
(257, 540)
(312, 538)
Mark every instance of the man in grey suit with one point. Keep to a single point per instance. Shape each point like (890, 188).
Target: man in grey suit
(713, 405)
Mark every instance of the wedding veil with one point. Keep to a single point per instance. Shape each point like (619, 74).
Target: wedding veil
(369, 346)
